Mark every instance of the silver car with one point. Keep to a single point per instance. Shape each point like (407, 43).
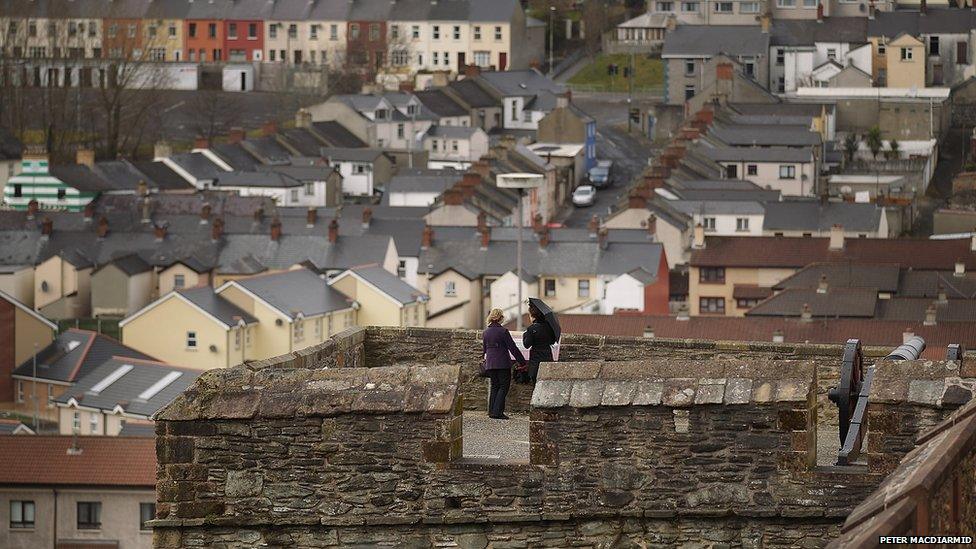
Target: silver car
(584, 195)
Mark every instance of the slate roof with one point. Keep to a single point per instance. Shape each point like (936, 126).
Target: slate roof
(303, 140)
(74, 354)
(388, 283)
(473, 94)
(80, 177)
(882, 277)
(198, 165)
(296, 291)
(125, 391)
(765, 135)
(440, 103)
(452, 132)
(267, 149)
(351, 155)
(914, 308)
(704, 207)
(10, 147)
(780, 252)
(120, 174)
(244, 250)
(757, 154)
(806, 32)
(525, 82)
(812, 215)
(161, 176)
(337, 135)
(235, 155)
(422, 180)
(218, 307)
(267, 178)
(709, 40)
(935, 21)
(130, 264)
(835, 302)
(930, 283)
(102, 461)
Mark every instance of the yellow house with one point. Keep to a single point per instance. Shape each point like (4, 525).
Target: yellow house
(22, 333)
(62, 285)
(905, 61)
(193, 327)
(294, 309)
(455, 301)
(383, 299)
(186, 273)
(162, 38)
(18, 282)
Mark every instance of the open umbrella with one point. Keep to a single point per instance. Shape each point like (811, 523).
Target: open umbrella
(548, 315)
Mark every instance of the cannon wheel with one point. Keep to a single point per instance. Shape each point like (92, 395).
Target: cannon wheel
(851, 377)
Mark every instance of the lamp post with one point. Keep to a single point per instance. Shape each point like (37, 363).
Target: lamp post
(552, 35)
(520, 182)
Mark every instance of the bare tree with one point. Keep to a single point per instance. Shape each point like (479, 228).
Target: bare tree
(214, 112)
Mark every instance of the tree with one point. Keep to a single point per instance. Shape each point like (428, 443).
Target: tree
(214, 112)
(893, 152)
(874, 141)
(851, 143)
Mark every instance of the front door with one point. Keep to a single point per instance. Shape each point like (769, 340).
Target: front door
(502, 60)
(460, 66)
(732, 172)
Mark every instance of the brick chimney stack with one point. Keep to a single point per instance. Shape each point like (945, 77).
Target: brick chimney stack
(146, 210)
(276, 229)
(201, 142)
(303, 119)
(89, 212)
(602, 237)
(593, 226)
(259, 215)
(333, 230)
(235, 135)
(102, 228)
(836, 238)
(269, 128)
(482, 221)
(636, 202)
(428, 238)
(85, 157)
(652, 226)
(159, 231)
(142, 188)
(698, 238)
(544, 237)
(205, 211)
(47, 227)
(820, 12)
(923, 7)
(367, 217)
(485, 237)
(311, 216)
(217, 230)
(537, 224)
(32, 208)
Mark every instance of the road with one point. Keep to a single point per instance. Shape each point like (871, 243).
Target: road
(630, 154)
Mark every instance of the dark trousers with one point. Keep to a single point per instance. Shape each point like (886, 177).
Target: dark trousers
(501, 380)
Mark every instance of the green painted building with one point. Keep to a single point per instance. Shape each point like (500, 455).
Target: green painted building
(35, 182)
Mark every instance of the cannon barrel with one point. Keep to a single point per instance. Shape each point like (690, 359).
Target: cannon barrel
(909, 350)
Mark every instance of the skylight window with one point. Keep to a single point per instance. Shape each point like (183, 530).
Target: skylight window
(159, 386)
(72, 345)
(110, 379)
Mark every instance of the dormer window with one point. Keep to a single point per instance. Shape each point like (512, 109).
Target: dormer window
(381, 114)
(411, 109)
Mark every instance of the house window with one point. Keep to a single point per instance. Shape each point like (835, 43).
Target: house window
(333, 32)
(32, 29)
(152, 30)
(962, 53)
(750, 67)
(781, 84)
(449, 289)
(402, 268)
(179, 281)
(583, 288)
(785, 3)
(787, 172)
(93, 423)
(749, 7)
(665, 6)
(232, 31)
(293, 31)
(549, 287)
(746, 303)
(933, 45)
(400, 131)
(394, 32)
(89, 515)
(689, 7)
(447, 58)
(780, 56)
(21, 514)
(18, 190)
(433, 145)
(689, 68)
(708, 223)
(456, 32)
(906, 54)
(247, 337)
(294, 195)
(742, 224)
(191, 340)
(711, 305)
(252, 31)
(882, 49)
(454, 146)
(415, 32)
(299, 330)
(723, 7)
(498, 34)
(482, 58)
(731, 171)
(436, 32)
(711, 275)
(313, 32)
(309, 189)
(689, 92)
(132, 31)
(752, 169)
(76, 422)
(237, 339)
(832, 53)
(212, 30)
(147, 512)
(272, 33)
(882, 77)
(50, 396)
(20, 391)
(477, 32)
(374, 32)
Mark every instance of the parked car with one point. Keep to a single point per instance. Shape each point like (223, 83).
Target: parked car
(584, 195)
(601, 175)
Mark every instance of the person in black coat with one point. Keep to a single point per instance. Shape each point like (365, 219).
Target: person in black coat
(538, 338)
(497, 343)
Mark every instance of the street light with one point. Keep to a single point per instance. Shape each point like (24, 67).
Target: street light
(552, 34)
(520, 182)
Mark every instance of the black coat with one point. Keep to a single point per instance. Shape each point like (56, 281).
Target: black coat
(496, 343)
(538, 338)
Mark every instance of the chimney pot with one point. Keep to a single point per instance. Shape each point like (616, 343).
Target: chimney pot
(806, 315)
(47, 226)
(428, 238)
(367, 216)
(836, 238)
(544, 237)
(205, 210)
(822, 285)
(333, 230)
(143, 188)
(698, 240)
(683, 313)
(906, 335)
(778, 336)
(649, 332)
(85, 157)
(485, 237)
(235, 135)
(537, 223)
(275, 229)
(102, 228)
(930, 313)
(201, 142)
(960, 268)
(89, 211)
(303, 119)
(159, 231)
(146, 210)
(32, 208)
(652, 226)
(258, 215)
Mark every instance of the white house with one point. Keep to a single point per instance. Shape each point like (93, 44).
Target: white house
(626, 292)
(454, 146)
(810, 53)
(526, 96)
(790, 170)
(361, 169)
(419, 186)
(724, 218)
(282, 188)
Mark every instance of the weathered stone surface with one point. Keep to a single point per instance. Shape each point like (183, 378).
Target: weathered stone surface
(618, 393)
(648, 393)
(586, 393)
(551, 393)
(923, 391)
(242, 484)
(738, 391)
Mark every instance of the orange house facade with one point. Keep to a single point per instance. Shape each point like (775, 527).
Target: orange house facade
(204, 40)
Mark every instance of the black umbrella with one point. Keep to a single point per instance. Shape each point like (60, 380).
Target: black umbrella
(548, 315)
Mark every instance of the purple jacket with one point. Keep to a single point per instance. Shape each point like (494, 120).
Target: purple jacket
(496, 344)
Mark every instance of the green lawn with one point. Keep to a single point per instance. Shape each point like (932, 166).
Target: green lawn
(649, 73)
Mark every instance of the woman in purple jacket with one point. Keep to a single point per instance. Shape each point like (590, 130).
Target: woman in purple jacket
(497, 343)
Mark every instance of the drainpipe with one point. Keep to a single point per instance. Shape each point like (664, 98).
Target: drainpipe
(54, 526)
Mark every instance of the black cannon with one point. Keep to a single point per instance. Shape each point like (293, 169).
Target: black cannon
(909, 350)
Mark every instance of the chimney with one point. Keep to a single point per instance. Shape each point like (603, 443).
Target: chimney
(471, 179)
(259, 215)
(146, 210)
(47, 227)
(217, 229)
(683, 313)
(778, 336)
(871, 9)
(453, 197)
(276, 229)
(544, 237)
(537, 223)
(481, 168)
(930, 314)
(89, 212)
(303, 119)
(367, 216)
(333, 231)
(649, 332)
(162, 149)
(32, 208)
(159, 231)
(235, 135)
(428, 239)
(102, 228)
(972, 242)
(822, 286)
(201, 142)
(143, 188)
(723, 71)
(593, 226)
(205, 210)
(836, 238)
(943, 296)
(923, 7)
(85, 157)
(269, 128)
(820, 12)
(806, 315)
(698, 239)
(310, 217)
(471, 70)
(671, 23)
(482, 221)
(907, 334)
(651, 227)
(636, 202)
(960, 268)
(485, 237)
(764, 22)
(562, 101)
(602, 238)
